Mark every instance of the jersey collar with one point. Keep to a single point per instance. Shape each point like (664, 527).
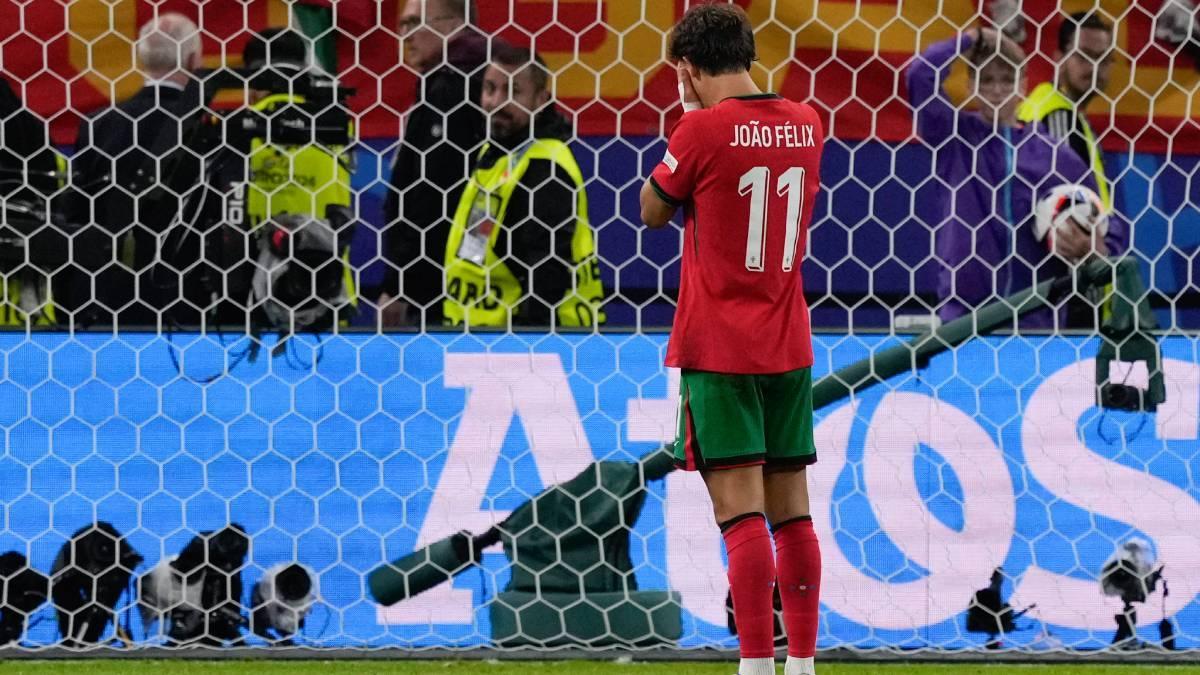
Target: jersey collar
(753, 97)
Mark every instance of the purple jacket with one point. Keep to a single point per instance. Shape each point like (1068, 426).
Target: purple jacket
(993, 177)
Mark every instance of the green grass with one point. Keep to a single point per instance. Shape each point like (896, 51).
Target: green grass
(106, 667)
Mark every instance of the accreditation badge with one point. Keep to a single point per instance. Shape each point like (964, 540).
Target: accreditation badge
(478, 233)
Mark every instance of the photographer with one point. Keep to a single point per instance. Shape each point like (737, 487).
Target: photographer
(271, 233)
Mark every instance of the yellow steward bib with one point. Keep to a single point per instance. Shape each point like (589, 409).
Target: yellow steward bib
(1046, 99)
(481, 290)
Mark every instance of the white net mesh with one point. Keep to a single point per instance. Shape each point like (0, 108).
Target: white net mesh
(177, 469)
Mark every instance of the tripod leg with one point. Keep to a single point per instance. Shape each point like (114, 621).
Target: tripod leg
(1126, 621)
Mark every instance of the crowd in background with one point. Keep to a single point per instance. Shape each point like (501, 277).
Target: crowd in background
(167, 215)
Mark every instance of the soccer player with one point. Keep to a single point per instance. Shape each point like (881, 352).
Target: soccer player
(744, 165)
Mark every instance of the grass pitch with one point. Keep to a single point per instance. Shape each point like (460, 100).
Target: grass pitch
(123, 667)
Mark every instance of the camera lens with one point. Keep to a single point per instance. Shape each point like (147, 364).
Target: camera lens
(1120, 397)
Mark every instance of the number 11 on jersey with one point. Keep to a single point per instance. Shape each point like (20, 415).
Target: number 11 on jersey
(755, 182)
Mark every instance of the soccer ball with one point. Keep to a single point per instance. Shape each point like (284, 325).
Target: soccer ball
(1070, 201)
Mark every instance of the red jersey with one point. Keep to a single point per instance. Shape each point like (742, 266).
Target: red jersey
(746, 172)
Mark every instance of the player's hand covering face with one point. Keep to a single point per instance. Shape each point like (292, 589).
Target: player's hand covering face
(687, 89)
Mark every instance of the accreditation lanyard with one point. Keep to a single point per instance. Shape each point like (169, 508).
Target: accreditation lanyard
(1010, 174)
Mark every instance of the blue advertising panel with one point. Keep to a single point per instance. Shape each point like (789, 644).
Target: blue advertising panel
(353, 450)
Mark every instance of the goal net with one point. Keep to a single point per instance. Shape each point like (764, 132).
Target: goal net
(231, 421)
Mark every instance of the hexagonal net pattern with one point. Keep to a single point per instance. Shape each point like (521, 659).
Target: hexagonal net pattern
(334, 324)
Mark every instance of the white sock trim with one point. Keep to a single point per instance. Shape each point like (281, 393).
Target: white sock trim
(799, 666)
(764, 666)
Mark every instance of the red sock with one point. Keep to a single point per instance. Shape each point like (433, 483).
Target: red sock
(751, 564)
(799, 583)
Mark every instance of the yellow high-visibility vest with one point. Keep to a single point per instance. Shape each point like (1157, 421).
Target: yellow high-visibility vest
(1046, 99)
(11, 313)
(485, 292)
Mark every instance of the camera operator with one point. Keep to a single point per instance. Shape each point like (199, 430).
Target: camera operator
(119, 164)
(28, 179)
(274, 226)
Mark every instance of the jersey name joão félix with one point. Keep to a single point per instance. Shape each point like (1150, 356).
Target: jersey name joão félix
(746, 172)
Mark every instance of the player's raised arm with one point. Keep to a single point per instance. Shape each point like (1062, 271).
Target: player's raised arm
(656, 212)
(670, 183)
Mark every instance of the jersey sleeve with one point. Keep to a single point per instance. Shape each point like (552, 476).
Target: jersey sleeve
(674, 179)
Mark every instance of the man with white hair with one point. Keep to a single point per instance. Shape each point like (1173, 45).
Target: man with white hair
(168, 48)
(120, 159)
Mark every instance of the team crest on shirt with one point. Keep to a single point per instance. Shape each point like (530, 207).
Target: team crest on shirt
(670, 161)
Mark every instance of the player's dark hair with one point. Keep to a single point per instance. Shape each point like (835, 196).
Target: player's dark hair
(1077, 22)
(716, 38)
(517, 59)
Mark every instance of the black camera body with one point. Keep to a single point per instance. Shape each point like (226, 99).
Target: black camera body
(1115, 396)
(1119, 579)
(218, 230)
(320, 114)
(318, 87)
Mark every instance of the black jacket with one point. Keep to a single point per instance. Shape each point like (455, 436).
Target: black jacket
(121, 156)
(442, 134)
(28, 181)
(25, 153)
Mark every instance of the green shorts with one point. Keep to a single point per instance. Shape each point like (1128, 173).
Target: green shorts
(727, 421)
